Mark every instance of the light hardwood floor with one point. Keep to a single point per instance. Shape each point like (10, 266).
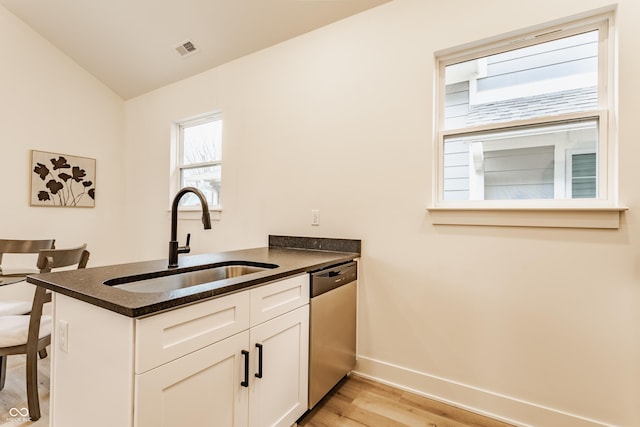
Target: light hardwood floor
(13, 397)
(356, 401)
(361, 402)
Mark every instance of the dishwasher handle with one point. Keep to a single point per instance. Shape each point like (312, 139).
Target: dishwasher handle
(333, 277)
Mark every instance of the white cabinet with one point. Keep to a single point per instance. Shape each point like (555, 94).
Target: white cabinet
(187, 375)
(279, 342)
(185, 366)
(279, 396)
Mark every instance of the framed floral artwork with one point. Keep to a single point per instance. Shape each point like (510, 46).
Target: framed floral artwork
(62, 180)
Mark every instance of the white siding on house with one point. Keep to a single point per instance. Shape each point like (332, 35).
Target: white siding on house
(520, 173)
(456, 170)
(569, 56)
(456, 104)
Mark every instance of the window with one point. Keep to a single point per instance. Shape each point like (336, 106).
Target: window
(199, 159)
(527, 118)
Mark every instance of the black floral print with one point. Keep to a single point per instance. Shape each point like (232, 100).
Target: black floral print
(64, 176)
(41, 170)
(78, 173)
(60, 163)
(61, 186)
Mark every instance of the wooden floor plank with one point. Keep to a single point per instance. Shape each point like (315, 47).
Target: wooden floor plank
(403, 413)
(358, 401)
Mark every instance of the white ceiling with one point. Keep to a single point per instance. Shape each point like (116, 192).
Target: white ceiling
(130, 44)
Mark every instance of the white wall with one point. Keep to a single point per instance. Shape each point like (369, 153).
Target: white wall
(49, 103)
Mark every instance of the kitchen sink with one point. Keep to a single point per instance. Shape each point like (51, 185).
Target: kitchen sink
(170, 280)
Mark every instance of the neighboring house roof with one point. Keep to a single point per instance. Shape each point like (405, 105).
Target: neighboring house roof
(534, 106)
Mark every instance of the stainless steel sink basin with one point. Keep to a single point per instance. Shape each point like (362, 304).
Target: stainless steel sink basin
(169, 280)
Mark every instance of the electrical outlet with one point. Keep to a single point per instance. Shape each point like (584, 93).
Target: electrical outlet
(63, 335)
(315, 217)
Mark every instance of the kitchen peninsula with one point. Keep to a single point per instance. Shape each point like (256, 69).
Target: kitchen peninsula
(188, 355)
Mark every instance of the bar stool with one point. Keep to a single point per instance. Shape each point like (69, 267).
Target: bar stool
(31, 334)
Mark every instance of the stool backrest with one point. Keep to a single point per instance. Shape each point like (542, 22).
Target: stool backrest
(57, 258)
(8, 246)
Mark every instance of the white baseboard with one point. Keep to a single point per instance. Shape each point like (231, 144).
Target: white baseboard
(484, 402)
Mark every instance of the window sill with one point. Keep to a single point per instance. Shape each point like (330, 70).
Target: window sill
(559, 217)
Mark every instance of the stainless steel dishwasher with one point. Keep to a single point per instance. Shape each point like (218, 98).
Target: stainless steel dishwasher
(332, 334)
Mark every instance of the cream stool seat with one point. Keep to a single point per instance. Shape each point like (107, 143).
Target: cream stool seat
(14, 330)
(8, 308)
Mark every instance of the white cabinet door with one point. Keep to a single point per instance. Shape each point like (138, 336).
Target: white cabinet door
(279, 397)
(200, 389)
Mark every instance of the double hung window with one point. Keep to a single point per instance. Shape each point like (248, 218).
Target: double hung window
(525, 121)
(199, 159)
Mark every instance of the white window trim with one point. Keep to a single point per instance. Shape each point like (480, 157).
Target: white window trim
(603, 212)
(189, 212)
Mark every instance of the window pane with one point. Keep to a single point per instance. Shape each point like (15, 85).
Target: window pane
(202, 143)
(536, 162)
(556, 77)
(206, 179)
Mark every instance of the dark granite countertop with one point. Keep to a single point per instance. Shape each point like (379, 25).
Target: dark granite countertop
(87, 284)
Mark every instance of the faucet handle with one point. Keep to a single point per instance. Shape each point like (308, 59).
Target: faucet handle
(185, 249)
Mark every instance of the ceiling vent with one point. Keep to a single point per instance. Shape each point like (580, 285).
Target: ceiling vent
(186, 48)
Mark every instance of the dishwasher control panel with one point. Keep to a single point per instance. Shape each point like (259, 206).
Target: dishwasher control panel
(333, 277)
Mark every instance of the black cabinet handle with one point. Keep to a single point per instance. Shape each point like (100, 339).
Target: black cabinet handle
(259, 347)
(245, 383)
